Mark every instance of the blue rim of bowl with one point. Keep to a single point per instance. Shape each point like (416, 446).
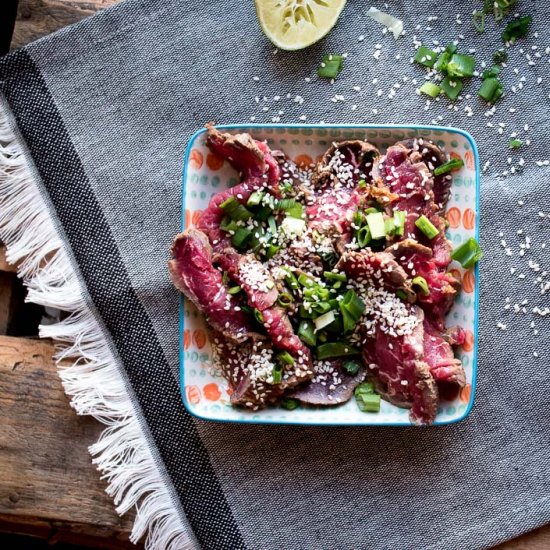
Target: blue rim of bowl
(289, 422)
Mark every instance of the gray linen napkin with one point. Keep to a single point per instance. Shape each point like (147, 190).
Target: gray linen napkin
(104, 110)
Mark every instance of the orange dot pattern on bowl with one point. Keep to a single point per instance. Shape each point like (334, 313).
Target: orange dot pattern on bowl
(303, 161)
(193, 394)
(453, 217)
(468, 281)
(468, 218)
(469, 160)
(465, 393)
(468, 344)
(196, 159)
(186, 338)
(211, 392)
(199, 338)
(213, 161)
(196, 216)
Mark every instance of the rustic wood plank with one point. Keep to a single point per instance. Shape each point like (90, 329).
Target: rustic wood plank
(37, 18)
(48, 479)
(539, 539)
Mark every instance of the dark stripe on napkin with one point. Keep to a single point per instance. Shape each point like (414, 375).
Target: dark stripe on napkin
(108, 284)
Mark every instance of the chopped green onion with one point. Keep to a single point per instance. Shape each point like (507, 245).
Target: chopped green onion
(255, 199)
(427, 227)
(351, 367)
(368, 402)
(305, 280)
(351, 307)
(234, 290)
(399, 221)
(515, 143)
(443, 60)
(261, 213)
(518, 28)
(272, 224)
(324, 320)
(286, 358)
(272, 249)
(461, 65)
(371, 210)
(451, 87)
(285, 187)
(500, 57)
(258, 316)
(285, 299)
(235, 210)
(292, 207)
(402, 294)
(241, 238)
(321, 307)
(426, 57)
(293, 227)
(450, 165)
(430, 89)
(493, 72)
(479, 20)
(227, 224)
(490, 90)
(335, 349)
(306, 333)
(277, 374)
(376, 225)
(289, 403)
(290, 279)
(363, 236)
(468, 253)
(364, 388)
(422, 284)
(331, 66)
(322, 337)
(361, 184)
(389, 224)
(331, 276)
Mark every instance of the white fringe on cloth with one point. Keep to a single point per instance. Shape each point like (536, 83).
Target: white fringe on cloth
(93, 382)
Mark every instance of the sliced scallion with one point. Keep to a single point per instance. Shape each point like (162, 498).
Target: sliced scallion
(234, 290)
(336, 349)
(255, 199)
(258, 316)
(272, 249)
(324, 320)
(277, 374)
(468, 253)
(461, 66)
(351, 367)
(430, 89)
(368, 402)
(426, 57)
(493, 72)
(290, 279)
(500, 56)
(376, 225)
(427, 227)
(449, 166)
(235, 210)
(241, 238)
(286, 358)
(451, 87)
(479, 20)
(490, 90)
(331, 276)
(518, 28)
(289, 403)
(399, 221)
(363, 236)
(306, 333)
(364, 388)
(331, 66)
(285, 299)
(515, 143)
(272, 224)
(422, 284)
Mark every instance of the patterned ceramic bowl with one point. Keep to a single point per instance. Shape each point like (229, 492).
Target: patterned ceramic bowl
(204, 393)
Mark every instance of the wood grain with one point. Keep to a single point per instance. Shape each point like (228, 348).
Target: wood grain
(37, 18)
(49, 485)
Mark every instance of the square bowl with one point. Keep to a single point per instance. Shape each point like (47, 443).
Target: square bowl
(204, 392)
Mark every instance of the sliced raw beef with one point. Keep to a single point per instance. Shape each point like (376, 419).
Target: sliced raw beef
(330, 385)
(432, 156)
(377, 268)
(396, 366)
(192, 272)
(446, 369)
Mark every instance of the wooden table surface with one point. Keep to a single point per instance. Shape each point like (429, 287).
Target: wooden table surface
(49, 487)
